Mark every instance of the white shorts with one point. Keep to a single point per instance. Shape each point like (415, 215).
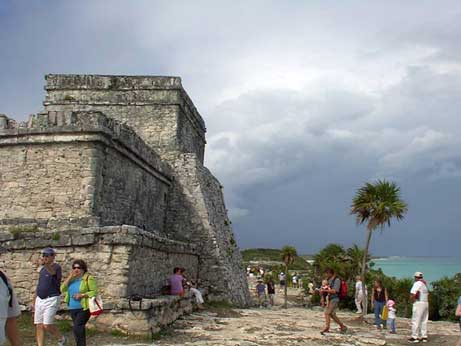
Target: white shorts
(45, 309)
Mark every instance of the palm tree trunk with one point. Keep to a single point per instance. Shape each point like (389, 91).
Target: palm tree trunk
(285, 287)
(364, 266)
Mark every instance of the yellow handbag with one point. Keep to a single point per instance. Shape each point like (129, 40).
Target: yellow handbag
(384, 313)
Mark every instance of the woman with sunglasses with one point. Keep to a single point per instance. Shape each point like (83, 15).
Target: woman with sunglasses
(78, 288)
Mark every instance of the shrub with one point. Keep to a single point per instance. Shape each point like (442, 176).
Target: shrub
(444, 298)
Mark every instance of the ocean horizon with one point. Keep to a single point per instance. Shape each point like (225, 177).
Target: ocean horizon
(433, 268)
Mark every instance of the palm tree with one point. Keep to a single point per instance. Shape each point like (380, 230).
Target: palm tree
(288, 256)
(376, 204)
(355, 259)
(331, 256)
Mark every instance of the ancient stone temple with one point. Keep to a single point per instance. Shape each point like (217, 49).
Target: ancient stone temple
(112, 172)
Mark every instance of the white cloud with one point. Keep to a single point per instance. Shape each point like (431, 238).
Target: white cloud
(300, 98)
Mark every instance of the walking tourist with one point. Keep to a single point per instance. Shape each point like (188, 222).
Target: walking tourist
(310, 294)
(78, 287)
(379, 298)
(176, 282)
(419, 297)
(282, 280)
(391, 315)
(359, 293)
(261, 272)
(333, 301)
(271, 291)
(9, 310)
(294, 280)
(47, 298)
(261, 293)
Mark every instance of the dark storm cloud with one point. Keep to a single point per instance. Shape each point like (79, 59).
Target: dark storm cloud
(304, 101)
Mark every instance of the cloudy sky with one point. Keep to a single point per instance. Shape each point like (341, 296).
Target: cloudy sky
(304, 101)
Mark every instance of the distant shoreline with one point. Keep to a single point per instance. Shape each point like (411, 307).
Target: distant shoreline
(425, 257)
(433, 267)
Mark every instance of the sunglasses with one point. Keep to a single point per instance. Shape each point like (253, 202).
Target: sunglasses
(76, 267)
(46, 255)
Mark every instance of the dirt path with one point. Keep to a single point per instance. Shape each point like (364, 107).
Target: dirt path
(276, 326)
(294, 326)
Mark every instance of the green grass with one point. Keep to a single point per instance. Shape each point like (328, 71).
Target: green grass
(56, 236)
(117, 333)
(65, 326)
(27, 331)
(17, 230)
(91, 332)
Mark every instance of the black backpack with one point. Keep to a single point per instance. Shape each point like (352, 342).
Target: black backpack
(10, 290)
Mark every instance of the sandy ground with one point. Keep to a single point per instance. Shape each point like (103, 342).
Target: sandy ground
(293, 326)
(275, 326)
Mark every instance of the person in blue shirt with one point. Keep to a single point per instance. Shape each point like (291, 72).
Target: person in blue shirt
(47, 298)
(78, 288)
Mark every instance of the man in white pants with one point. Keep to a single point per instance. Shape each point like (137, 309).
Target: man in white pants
(359, 293)
(419, 296)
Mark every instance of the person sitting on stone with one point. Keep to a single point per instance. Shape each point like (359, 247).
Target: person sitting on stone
(192, 286)
(197, 294)
(176, 282)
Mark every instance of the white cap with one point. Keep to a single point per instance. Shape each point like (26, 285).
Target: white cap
(418, 275)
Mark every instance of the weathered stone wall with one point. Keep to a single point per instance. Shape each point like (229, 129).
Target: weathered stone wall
(121, 258)
(40, 182)
(197, 213)
(127, 194)
(158, 108)
(149, 270)
(63, 169)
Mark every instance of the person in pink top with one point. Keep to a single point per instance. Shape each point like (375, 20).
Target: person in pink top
(175, 281)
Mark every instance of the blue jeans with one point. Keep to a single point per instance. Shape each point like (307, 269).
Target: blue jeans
(378, 311)
(391, 323)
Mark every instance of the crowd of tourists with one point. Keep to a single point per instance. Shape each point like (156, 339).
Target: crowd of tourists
(80, 290)
(382, 305)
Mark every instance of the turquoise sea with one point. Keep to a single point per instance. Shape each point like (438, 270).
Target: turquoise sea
(434, 268)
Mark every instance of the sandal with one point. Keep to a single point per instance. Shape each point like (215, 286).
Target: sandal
(326, 330)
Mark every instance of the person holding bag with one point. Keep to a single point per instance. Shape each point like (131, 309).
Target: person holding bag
(79, 288)
(379, 299)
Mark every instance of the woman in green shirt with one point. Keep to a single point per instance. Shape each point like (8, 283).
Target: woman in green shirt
(78, 288)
